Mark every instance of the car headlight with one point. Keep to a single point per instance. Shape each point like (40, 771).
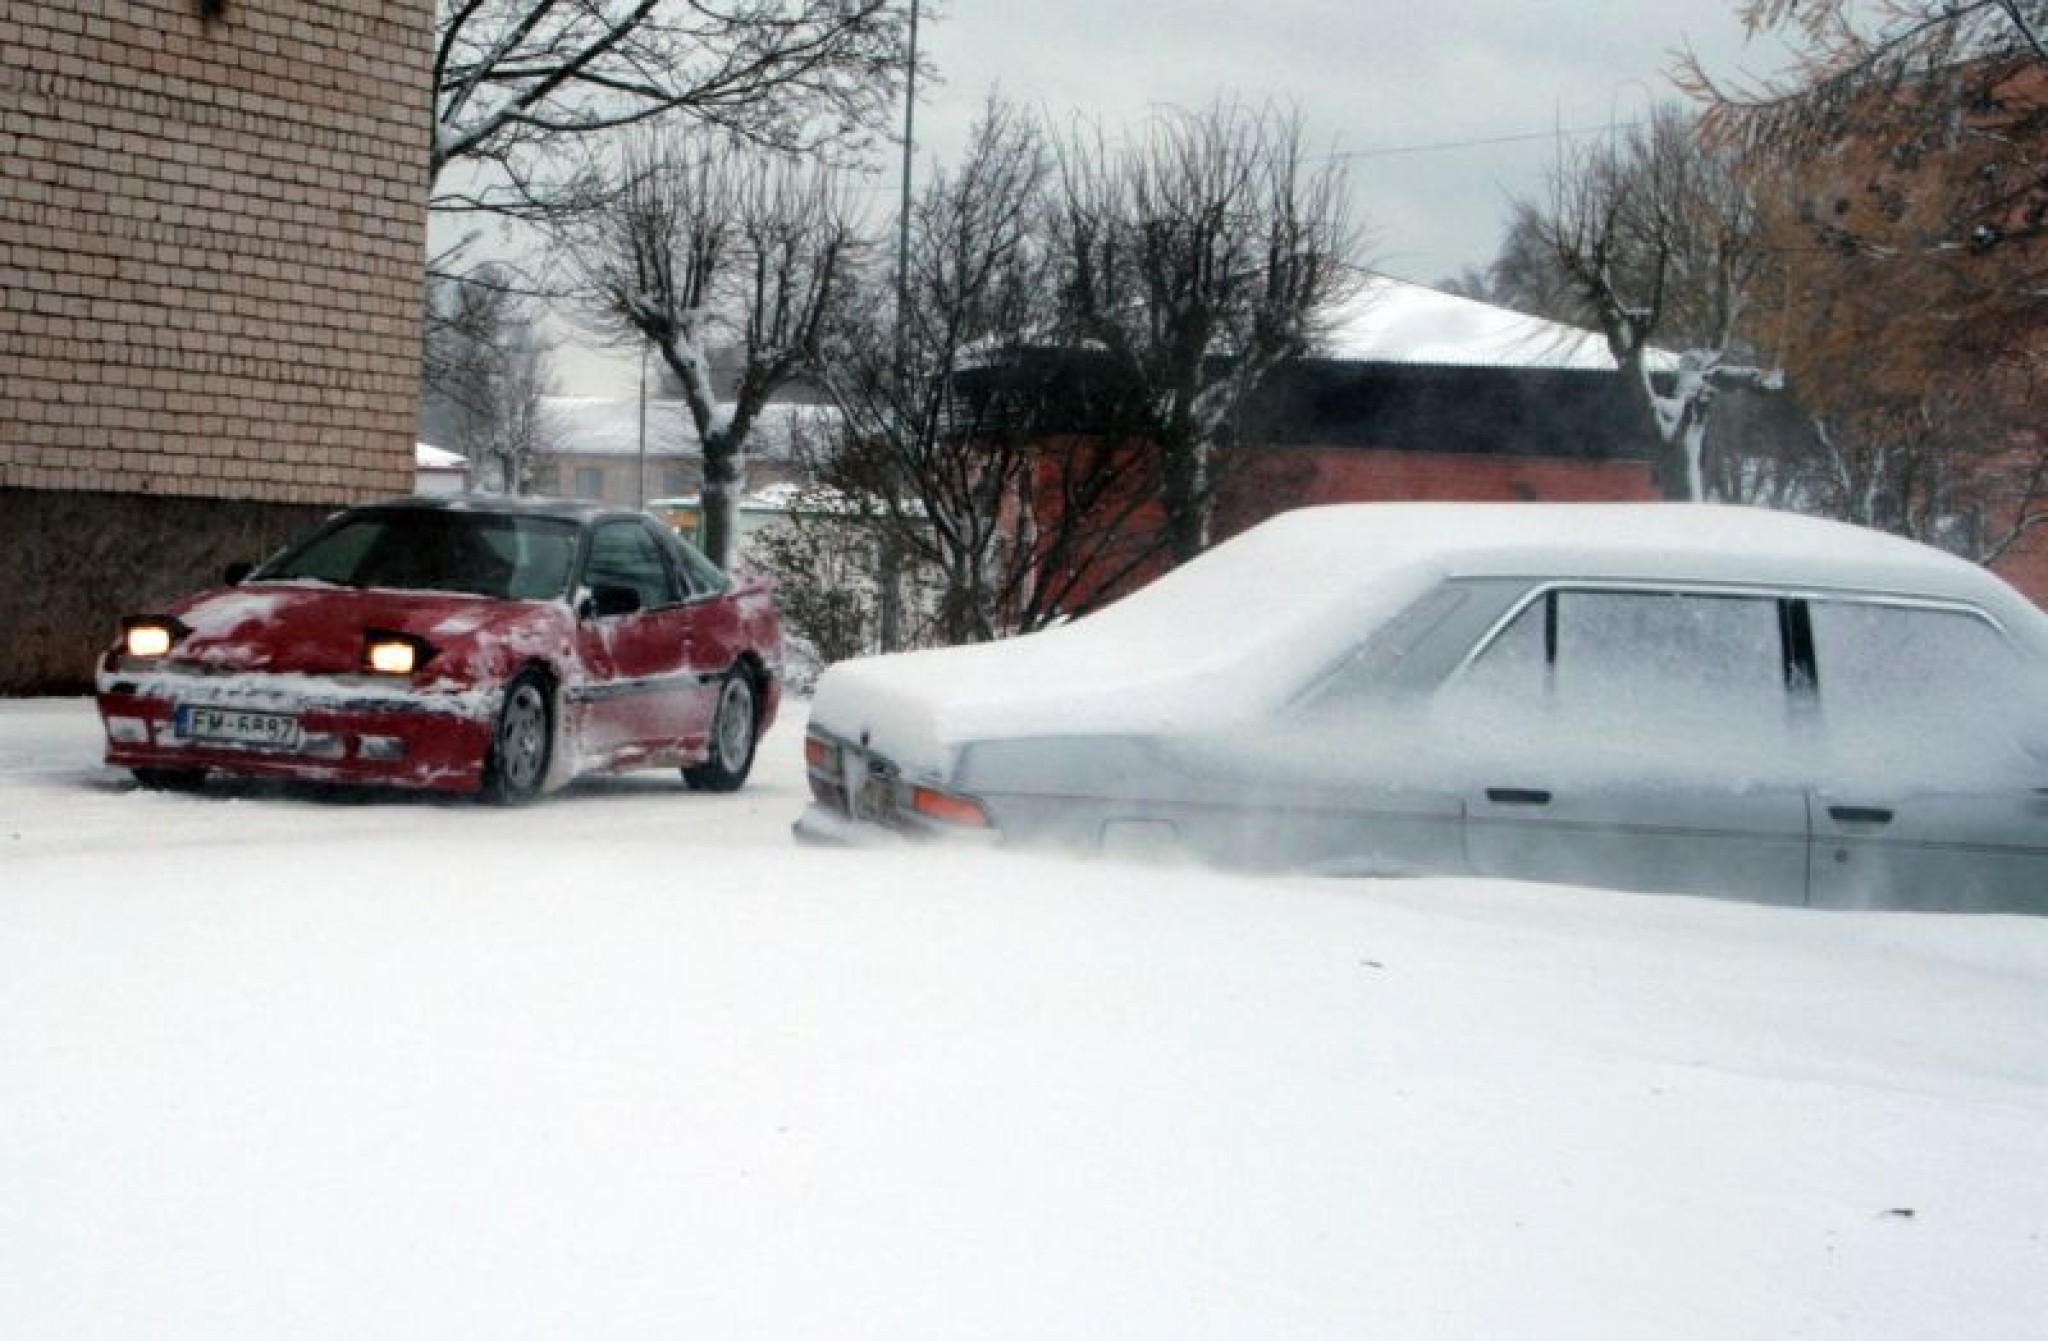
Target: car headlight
(395, 653)
(147, 637)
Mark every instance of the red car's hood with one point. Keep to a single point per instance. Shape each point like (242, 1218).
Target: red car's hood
(319, 630)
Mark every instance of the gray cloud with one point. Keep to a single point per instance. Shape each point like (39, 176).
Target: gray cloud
(1419, 94)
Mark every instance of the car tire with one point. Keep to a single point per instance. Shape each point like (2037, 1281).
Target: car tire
(171, 779)
(522, 743)
(734, 736)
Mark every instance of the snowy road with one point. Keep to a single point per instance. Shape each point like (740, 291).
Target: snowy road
(628, 1063)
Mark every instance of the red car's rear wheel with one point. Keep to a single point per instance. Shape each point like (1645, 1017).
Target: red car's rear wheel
(734, 727)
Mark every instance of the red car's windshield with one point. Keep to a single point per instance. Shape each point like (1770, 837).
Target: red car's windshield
(486, 554)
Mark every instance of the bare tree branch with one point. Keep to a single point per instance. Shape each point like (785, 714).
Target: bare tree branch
(1196, 259)
(701, 241)
(1653, 234)
(513, 78)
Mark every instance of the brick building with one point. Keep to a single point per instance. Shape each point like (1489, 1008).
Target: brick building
(1418, 395)
(212, 223)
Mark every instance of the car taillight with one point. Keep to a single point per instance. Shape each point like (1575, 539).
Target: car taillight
(819, 753)
(948, 808)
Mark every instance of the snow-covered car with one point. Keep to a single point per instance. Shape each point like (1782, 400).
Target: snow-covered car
(1708, 699)
(454, 644)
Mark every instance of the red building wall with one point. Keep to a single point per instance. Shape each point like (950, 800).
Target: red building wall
(1281, 478)
(1266, 481)
(2025, 565)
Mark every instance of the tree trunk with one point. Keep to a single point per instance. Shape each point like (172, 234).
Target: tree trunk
(1184, 493)
(718, 502)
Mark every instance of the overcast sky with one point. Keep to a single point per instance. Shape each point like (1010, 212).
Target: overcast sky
(1396, 83)
(1448, 109)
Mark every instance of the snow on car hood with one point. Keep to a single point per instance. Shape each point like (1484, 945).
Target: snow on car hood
(319, 630)
(1202, 648)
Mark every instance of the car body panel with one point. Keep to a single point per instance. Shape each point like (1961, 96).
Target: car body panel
(1707, 838)
(1980, 851)
(641, 685)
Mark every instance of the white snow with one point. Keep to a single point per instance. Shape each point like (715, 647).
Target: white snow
(1393, 321)
(628, 1063)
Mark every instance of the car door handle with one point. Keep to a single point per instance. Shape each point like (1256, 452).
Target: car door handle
(1517, 796)
(1859, 814)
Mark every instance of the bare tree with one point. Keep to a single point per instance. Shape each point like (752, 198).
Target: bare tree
(1938, 109)
(515, 79)
(486, 374)
(704, 241)
(1525, 274)
(1655, 235)
(1921, 389)
(945, 392)
(1880, 66)
(1196, 255)
(1909, 213)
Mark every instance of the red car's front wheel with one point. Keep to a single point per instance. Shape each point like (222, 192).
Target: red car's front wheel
(522, 743)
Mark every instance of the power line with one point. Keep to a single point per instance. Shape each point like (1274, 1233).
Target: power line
(1439, 146)
(875, 187)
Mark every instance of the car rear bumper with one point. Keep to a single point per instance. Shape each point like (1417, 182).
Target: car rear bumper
(342, 732)
(820, 826)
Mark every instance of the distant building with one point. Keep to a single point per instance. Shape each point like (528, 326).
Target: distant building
(601, 450)
(1420, 395)
(438, 471)
(213, 221)
(1413, 395)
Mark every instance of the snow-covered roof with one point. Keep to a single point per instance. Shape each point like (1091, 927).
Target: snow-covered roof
(608, 426)
(1392, 321)
(429, 457)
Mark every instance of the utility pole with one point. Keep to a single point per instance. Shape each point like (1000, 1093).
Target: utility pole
(643, 424)
(891, 580)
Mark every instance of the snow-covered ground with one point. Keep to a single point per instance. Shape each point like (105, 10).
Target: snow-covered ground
(628, 1063)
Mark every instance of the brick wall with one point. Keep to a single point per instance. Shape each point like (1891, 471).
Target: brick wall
(1280, 478)
(211, 237)
(2025, 565)
(74, 563)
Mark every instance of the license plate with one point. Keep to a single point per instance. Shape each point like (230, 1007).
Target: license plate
(234, 726)
(875, 800)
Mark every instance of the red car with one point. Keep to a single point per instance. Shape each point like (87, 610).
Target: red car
(456, 644)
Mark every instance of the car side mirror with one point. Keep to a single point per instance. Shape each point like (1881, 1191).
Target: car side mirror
(607, 601)
(237, 573)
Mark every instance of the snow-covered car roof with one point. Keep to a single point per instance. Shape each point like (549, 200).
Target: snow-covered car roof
(1706, 543)
(1234, 633)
